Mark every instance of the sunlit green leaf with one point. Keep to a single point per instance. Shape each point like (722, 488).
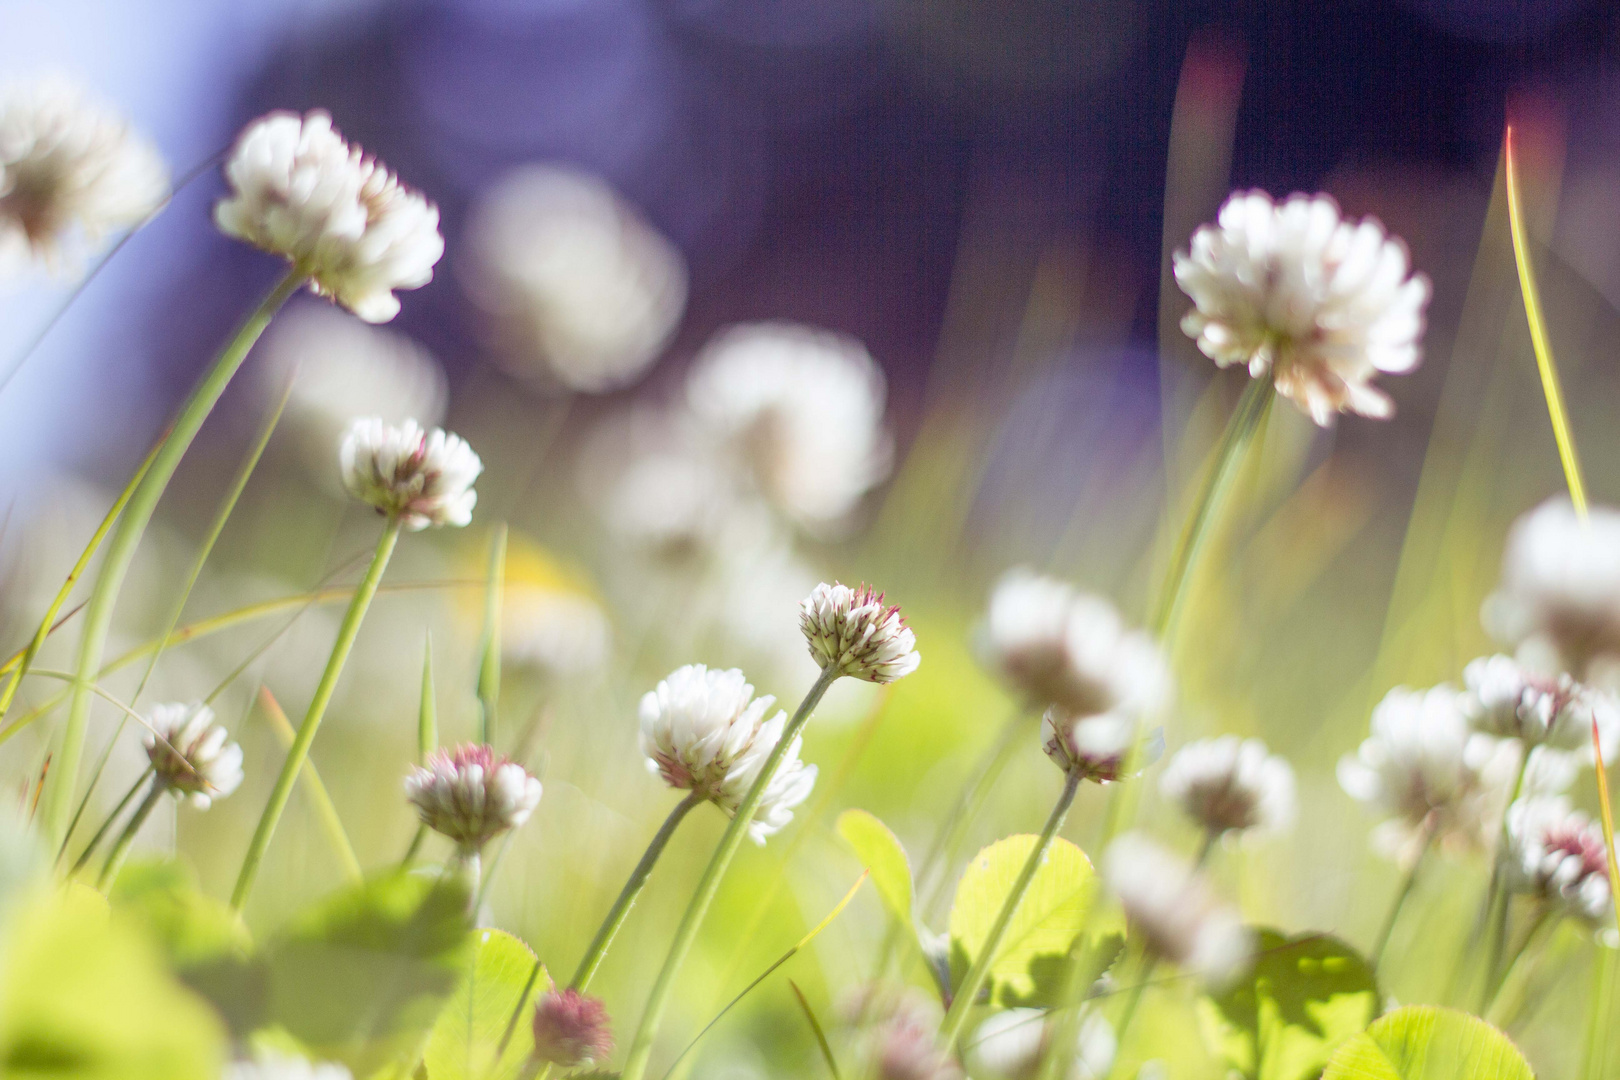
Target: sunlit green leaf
(1422, 1042)
(499, 983)
(1043, 930)
(362, 975)
(85, 995)
(1304, 996)
(880, 852)
(191, 926)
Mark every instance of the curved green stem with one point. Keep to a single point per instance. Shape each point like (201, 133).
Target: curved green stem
(312, 719)
(968, 992)
(1384, 933)
(101, 833)
(59, 786)
(627, 896)
(635, 1066)
(115, 858)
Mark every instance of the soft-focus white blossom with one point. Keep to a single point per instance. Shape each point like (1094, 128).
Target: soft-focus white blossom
(1171, 909)
(191, 755)
(1104, 748)
(1010, 1045)
(420, 477)
(853, 632)
(1231, 784)
(1556, 854)
(1424, 769)
(1295, 293)
(471, 794)
(577, 284)
(340, 368)
(70, 168)
(1508, 700)
(300, 191)
(284, 1067)
(704, 731)
(802, 409)
(1560, 593)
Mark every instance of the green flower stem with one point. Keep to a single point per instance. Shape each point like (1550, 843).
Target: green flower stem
(1149, 963)
(60, 784)
(1597, 1017)
(968, 992)
(627, 896)
(1401, 897)
(635, 1066)
(101, 833)
(312, 719)
(115, 858)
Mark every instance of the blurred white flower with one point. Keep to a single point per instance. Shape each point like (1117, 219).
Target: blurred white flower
(576, 282)
(471, 794)
(1427, 771)
(854, 633)
(1231, 784)
(341, 368)
(1169, 905)
(1010, 1045)
(908, 1050)
(1025, 634)
(1556, 854)
(420, 477)
(191, 755)
(1294, 291)
(1103, 748)
(300, 191)
(69, 167)
(284, 1067)
(1560, 590)
(1507, 700)
(704, 731)
(803, 411)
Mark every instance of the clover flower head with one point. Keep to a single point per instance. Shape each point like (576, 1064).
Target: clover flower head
(1507, 699)
(69, 168)
(1294, 292)
(471, 794)
(300, 191)
(1173, 910)
(191, 755)
(1104, 748)
(571, 1030)
(417, 477)
(1557, 855)
(1012, 1044)
(853, 632)
(1228, 784)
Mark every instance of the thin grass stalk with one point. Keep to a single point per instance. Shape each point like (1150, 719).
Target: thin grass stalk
(1597, 1026)
(60, 786)
(816, 1030)
(47, 624)
(489, 665)
(427, 737)
(635, 1067)
(325, 811)
(279, 795)
(631, 891)
(966, 994)
(106, 826)
(1404, 894)
(120, 850)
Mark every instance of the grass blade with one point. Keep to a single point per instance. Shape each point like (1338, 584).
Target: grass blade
(489, 664)
(427, 740)
(815, 1026)
(331, 823)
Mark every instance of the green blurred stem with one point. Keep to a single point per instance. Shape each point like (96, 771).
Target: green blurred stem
(101, 833)
(1401, 897)
(635, 1066)
(1597, 1015)
(1206, 515)
(1546, 917)
(968, 992)
(1131, 1005)
(627, 895)
(60, 784)
(312, 719)
(115, 858)
(319, 799)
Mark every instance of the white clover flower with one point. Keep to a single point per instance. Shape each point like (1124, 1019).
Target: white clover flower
(803, 410)
(300, 191)
(908, 1050)
(1556, 854)
(580, 288)
(341, 368)
(420, 477)
(704, 731)
(1170, 907)
(1011, 1045)
(852, 632)
(1427, 771)
(1294, 291)
(1025, 634)
(1104, 748)
(472, 794)
(69, 168)
(191, 755)
(283, 1067)
(1508, 700)
(1231, 784)
(1560, 590)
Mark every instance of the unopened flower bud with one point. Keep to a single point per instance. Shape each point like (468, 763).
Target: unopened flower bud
(471, 794)
(852, 632)
(571, 1029)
